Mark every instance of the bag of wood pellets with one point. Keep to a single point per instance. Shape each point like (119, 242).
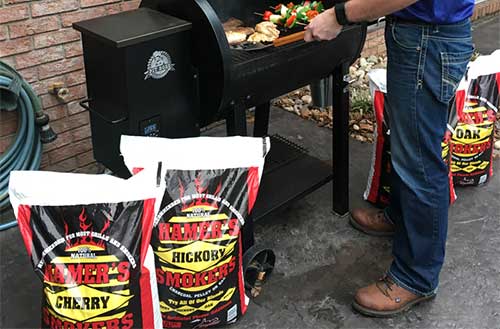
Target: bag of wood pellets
(446, 142)
(473, 138)
(87, 237)
(378, 189)
(208, 186)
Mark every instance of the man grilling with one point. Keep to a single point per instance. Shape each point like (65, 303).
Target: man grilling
(428, 47)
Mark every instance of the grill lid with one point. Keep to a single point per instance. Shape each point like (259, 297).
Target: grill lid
(132, 27)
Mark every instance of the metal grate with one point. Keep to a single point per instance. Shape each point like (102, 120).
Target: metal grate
(283, 151)
(241, 57)
(247, 63)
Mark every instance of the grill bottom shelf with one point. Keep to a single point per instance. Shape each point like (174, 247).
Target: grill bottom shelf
(289, 174)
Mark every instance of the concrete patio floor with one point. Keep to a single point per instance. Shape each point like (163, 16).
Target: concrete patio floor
(321, 260)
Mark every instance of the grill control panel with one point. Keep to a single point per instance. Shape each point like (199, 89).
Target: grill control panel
(150, 127)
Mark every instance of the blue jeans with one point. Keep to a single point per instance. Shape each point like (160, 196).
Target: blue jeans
(425, 64)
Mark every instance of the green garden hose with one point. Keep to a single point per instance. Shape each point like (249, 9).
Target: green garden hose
(26, 150)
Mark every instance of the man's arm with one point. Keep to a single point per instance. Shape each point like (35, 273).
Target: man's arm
(326, 27)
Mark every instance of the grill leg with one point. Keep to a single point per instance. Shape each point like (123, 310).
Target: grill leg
(340, 159)
(261, 119)
(247, 234)
(236, 121)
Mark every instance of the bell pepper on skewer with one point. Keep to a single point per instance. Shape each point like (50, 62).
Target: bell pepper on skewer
(276, 19)
(311, 14)
(291, 21)
(319, 7)
(267, 15)
(301, 14)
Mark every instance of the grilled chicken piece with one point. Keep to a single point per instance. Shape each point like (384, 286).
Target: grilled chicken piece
(268, 28)
(231, 24)
(246, 30)
(260, 37)
(264, 32)
(235, 31)
(234, 38)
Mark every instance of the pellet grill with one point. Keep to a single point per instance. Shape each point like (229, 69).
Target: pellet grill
(166, 69)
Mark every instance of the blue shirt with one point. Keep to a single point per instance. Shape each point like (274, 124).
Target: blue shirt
(437, 11)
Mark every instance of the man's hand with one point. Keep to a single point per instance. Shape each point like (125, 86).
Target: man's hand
(323, 27)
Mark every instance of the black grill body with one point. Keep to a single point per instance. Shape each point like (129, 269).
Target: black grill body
(224, 82)
(231, 81)
(251, 78)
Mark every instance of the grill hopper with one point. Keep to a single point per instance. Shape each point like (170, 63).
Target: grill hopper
(139, 80)
(229, 76)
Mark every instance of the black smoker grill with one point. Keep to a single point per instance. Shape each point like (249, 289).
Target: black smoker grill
(210, 81)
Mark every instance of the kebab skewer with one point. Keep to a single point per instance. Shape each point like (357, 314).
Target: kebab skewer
(291, 15)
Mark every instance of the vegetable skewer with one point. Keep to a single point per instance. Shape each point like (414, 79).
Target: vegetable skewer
(291, 14)
(278, 20)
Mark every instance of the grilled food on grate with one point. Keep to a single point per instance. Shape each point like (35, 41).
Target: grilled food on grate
(243, 29)
(236, 33)
(235, 38)
(265, 32)
(268, 28)
(231, 24)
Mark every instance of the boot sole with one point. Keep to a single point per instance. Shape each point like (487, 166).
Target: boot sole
(388, 314)
(360, 228)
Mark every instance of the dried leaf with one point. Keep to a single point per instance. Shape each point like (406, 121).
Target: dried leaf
(305, 113)
(366, 126)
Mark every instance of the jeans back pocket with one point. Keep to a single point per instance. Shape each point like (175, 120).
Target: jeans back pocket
(453, 66)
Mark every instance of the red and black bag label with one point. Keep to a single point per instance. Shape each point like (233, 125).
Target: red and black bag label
(90, 259)
(198, 248)
(446, 156)
(378, 189)
(473, 139)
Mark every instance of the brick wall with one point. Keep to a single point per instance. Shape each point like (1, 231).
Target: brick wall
(486, 8)
(375, 44)
(37, 39)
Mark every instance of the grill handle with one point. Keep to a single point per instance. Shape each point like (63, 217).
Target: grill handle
(289, 39)
(85, 104)
(377, 22)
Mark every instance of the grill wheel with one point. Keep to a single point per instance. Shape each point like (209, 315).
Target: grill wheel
(258, 265)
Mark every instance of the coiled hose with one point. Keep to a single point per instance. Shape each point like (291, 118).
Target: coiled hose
(25, 151)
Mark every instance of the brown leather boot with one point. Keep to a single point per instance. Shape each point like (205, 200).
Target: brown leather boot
(371, 221)
(385, 299)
